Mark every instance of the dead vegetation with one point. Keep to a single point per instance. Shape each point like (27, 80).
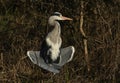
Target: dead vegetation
(23, 26)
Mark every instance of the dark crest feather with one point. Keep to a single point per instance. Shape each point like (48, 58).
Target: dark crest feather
(57, 14)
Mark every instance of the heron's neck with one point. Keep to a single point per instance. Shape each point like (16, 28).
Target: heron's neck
(57, 28)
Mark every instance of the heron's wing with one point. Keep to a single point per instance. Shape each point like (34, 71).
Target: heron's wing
(66, 55)
(36, 59)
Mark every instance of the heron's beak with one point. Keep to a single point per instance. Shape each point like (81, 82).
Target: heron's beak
(66, 18)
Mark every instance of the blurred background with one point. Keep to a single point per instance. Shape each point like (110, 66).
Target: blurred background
(23, 26)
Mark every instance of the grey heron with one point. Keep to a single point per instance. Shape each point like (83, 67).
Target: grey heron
(51, 56)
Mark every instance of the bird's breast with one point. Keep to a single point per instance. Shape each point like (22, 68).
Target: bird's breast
(55, 48)
(55, 44)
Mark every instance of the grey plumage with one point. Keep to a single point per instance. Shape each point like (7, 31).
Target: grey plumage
(66, 56)
(53, 41)
(51, 56)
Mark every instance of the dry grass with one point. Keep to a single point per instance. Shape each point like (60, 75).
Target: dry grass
(23, 26)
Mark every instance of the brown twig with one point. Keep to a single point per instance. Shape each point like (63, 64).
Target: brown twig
(106, 22)
(1, 59)
(84, 35)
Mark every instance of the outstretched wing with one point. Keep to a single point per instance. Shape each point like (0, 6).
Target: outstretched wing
(38, 60)
(66, 56)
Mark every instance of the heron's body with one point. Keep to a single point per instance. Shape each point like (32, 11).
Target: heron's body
(52, 45)
(51, 51)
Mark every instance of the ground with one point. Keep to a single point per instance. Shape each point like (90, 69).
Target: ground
(23, 26)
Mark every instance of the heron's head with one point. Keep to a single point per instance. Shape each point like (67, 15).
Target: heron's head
(56, 17)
